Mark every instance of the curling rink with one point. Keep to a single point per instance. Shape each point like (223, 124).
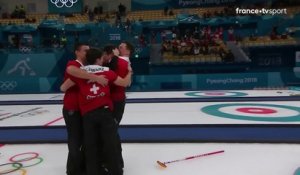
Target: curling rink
(162, 94)
(140, 158)
(238, 159)
(169, 113)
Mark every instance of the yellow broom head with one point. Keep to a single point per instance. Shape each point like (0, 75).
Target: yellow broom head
(161, 164)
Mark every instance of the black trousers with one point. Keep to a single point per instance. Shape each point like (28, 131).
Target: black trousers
(75, 161)
(119, 107)
(101, 128)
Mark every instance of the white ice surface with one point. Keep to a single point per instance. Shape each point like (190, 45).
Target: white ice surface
(140, 159)
(166, 94)
(151, 114)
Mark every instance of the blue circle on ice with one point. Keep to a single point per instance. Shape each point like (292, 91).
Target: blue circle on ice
(215, 111)
(205, 94)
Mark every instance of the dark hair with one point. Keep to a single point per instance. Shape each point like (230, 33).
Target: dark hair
(78, 46)
(129, 47)
(109, 49)
(92, 55)
(113, 64)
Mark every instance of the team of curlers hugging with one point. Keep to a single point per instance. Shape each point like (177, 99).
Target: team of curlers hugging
(94, 102)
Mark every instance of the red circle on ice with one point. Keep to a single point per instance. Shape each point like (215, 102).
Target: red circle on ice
(256, 110)
(214, 93)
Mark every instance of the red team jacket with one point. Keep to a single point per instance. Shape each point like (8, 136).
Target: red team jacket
(71, 95)
(118, 92)
(94, 95)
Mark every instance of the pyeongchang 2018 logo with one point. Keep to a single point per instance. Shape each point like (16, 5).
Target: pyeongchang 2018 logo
(64, 3)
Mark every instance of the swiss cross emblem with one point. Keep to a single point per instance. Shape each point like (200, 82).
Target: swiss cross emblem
(94, 89)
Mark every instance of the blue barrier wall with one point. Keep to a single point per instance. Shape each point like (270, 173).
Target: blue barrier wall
(206, 81)
(42, 69)
(42, 72)
(32, 73)
(273, 56)
(227, 81)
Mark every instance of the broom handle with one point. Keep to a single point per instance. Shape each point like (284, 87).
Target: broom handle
(192, 157)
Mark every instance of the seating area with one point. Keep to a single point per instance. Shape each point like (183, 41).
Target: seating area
(213, 55)
(150, 15)
(146, 15)
(201, 49)
(200, 58)
(38, 18)
(266, 41)
(76, 18)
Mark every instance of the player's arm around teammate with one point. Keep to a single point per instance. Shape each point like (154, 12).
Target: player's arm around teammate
(124, 82)
(117, 59)
(73, 118)
(80, 73)
(99, 124)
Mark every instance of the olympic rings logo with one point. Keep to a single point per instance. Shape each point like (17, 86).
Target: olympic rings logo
(138, 50)
(17, 163)
(8, 85)
(25, 49)
(62, 3)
